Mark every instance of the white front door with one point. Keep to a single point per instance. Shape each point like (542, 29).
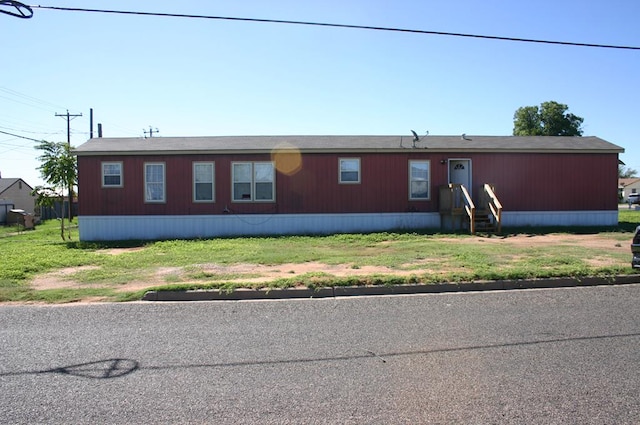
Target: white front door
(460, 172)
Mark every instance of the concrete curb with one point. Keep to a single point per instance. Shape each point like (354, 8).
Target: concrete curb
(348, 291)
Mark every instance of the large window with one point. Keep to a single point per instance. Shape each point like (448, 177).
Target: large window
(419, 180)
(112, 174)
(203, 181)
(253, 181)
(154, 184)
(349, 170)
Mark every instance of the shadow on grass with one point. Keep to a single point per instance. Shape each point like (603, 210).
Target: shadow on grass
(506, 232)
(574, 230)
(95, 245)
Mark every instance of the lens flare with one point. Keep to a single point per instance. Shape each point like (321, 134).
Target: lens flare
(287, 158)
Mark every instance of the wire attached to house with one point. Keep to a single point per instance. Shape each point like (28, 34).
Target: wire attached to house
(21, 10)
(333, 25)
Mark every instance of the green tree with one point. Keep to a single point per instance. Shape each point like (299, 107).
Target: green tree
(59, 170)
(550, 119)
(626, 173)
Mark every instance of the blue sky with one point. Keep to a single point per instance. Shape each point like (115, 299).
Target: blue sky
(191, 77)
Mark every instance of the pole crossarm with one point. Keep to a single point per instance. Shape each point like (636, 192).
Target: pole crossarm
(68, 117)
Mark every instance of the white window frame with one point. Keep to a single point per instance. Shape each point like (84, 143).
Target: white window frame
(253, 182)
(103, 174)
(413, 179)
(213, 181)
(341, 161)
(164, 183)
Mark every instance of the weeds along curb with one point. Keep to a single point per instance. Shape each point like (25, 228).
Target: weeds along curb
(346, 291)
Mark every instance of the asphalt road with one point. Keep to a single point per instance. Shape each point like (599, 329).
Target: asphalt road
(518, 357)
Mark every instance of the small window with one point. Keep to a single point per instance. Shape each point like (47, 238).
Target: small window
(349, 170)
(253, 181)
(419, 180)
(112, 174)
(203, 181)
(154, 182)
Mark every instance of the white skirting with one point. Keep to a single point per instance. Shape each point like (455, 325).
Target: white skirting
(96, 228)
(559, 218)
(151, 227)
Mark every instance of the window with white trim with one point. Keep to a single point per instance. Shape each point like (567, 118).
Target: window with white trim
(154, 182)
(419, 180)
(112, 174)
(203, 181)
(253, 181)
(349, 170)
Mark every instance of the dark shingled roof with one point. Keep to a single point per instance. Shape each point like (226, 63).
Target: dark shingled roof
(343, 144)
(6, 183)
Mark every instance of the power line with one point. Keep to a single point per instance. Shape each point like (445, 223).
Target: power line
(30, 132)
(21, 137)
(19, 10)
(333, 25)
(27, 104)
(28, 98)
(16, 149)
(18, 122)
(13, 145)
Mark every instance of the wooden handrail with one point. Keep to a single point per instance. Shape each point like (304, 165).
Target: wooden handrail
(455, 201)
(470, 208)
(494, 206)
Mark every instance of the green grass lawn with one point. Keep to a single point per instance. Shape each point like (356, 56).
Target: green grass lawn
(417, 257)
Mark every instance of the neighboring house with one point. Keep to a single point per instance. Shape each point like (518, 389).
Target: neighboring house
(17, 192)
(189, 187)
(627, 187)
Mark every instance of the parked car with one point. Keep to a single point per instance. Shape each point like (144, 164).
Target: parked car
(634, 198)
(635, 249)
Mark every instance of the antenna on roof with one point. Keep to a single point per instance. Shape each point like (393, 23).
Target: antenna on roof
(150, 132)
(416, 138)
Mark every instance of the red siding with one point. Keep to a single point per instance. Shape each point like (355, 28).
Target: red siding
(550, 182)
(524, 182)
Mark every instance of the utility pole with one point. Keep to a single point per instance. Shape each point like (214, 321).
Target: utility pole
(150, 132)
(68, 117)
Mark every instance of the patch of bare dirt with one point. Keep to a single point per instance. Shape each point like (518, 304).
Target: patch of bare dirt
(59, 279)
(118, 251)
(263, 273)
(587, 241)
(268, 273)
